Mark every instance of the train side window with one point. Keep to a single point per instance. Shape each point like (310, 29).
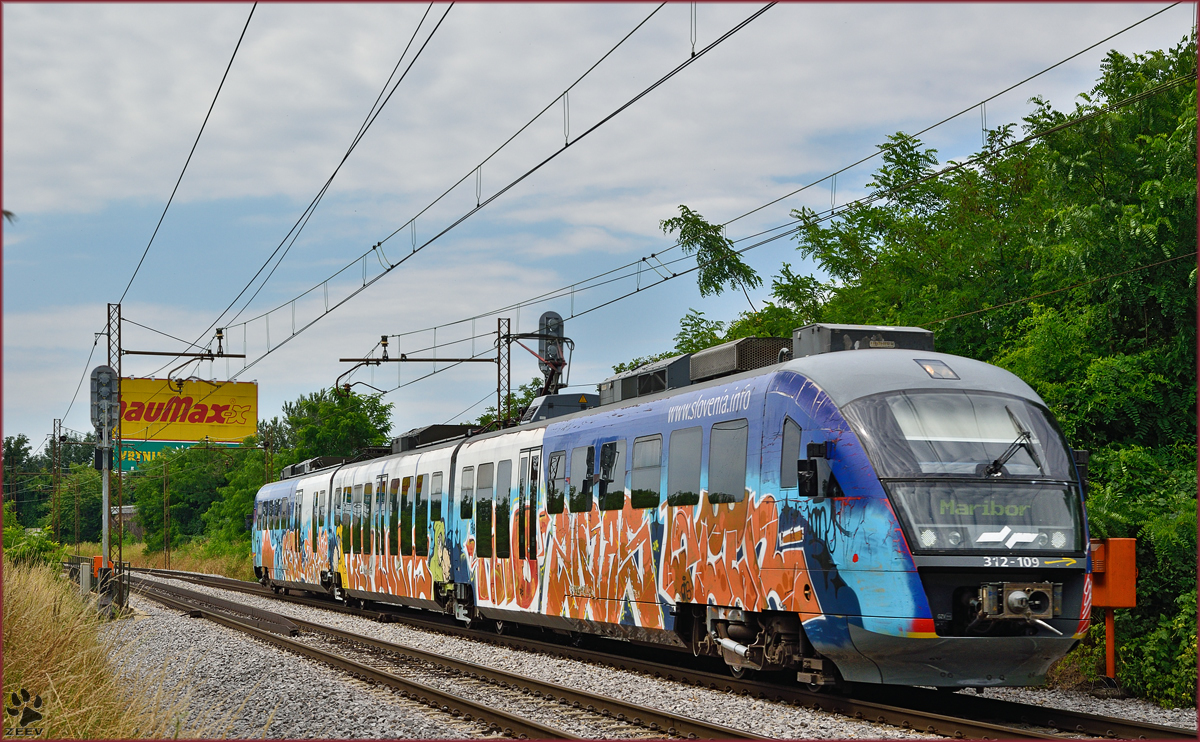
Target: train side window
(556, 479)
(347, 513)
(394, 517)
(790, 455)
(683, 467)
(612, 475)
(727, 461)
(356, 524)
(531, 506)
(503, 505)
(466, 493)
(583, 459)
(435, 495)
(406, 517)
(483, 510)
(368, 524)
(313, 524)
(421, 541)
(646, 480)
(381, 526)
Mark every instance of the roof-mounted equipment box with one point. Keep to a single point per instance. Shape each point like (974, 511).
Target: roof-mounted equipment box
(812, 340)
(736, 356)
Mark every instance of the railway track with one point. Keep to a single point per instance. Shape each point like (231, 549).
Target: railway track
(448, 684)
(956, 715)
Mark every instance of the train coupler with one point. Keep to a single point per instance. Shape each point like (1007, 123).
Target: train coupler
(815, 671)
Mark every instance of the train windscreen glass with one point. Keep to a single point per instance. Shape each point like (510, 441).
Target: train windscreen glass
(970, 470)
(959, 434)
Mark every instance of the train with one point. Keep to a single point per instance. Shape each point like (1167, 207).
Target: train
(847, 504)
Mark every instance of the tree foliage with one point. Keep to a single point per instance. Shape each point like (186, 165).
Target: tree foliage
(1069, 260)
(335, 422)
(720, 265)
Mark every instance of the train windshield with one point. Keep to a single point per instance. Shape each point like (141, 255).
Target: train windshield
(972, 470)
(959, 434)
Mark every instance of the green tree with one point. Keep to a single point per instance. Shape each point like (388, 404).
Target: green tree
(226, 518)
(697, 333)
(1064, 253)
(194, 476)
(514, 402)
(720, 265)
(335, 422)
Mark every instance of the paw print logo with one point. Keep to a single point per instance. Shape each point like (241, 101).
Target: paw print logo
(28, 710)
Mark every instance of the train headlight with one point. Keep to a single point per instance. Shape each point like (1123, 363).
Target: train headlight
(1058, 540)
(1042, 539)
(928, 538)
(955, 538)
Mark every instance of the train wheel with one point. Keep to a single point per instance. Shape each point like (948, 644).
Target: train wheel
(741, 673)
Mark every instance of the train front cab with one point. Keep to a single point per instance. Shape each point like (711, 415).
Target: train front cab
(927, 564)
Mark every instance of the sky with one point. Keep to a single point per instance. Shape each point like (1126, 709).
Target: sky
(103, 102)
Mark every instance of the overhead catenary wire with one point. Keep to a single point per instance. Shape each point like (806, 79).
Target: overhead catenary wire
(362, 131)
(966, 110)
(864, 160)
(190, 153)
(580, 285)
(505, 189)
(302, 221)
(881, 195)
(949, 118)
(476, 171)
(160, 332)
(412, 222)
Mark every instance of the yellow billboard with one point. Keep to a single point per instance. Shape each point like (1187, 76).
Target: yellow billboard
(158, 410)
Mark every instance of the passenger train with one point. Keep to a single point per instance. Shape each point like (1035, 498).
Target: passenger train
(869, 511)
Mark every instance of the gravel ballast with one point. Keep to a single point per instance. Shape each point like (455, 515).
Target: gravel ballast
(763, 717)
(239, 687)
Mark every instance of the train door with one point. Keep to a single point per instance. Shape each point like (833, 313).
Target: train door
(422, 579)
(421, 518)
(345, 545)
(392, 545)
(439, 557)
(579, 542)
(524, 558)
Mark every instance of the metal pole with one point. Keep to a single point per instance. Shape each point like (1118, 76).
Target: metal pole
(167, 510)
(105, 512)
(504, 369)
(76, 488)
(1110, 643)
(57, 455)
(120, 480)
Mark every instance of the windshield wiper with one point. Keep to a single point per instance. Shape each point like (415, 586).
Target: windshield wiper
(1024, 440)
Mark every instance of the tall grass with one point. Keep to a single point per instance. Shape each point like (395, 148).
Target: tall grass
(208, 557)
(53, 649)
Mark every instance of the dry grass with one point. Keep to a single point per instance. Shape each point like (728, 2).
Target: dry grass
(194, 556)
(53, 649)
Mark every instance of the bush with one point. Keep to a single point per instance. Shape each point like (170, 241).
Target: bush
(1148, 494)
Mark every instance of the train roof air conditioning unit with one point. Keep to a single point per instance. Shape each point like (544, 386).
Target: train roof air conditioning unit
(429, 435)
(310, 465)
(669, 373)
(745, 354)
(812, 340)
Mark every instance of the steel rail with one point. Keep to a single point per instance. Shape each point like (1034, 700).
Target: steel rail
(655, 719)
(503, 721)
(263, 619)
(921, 718)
